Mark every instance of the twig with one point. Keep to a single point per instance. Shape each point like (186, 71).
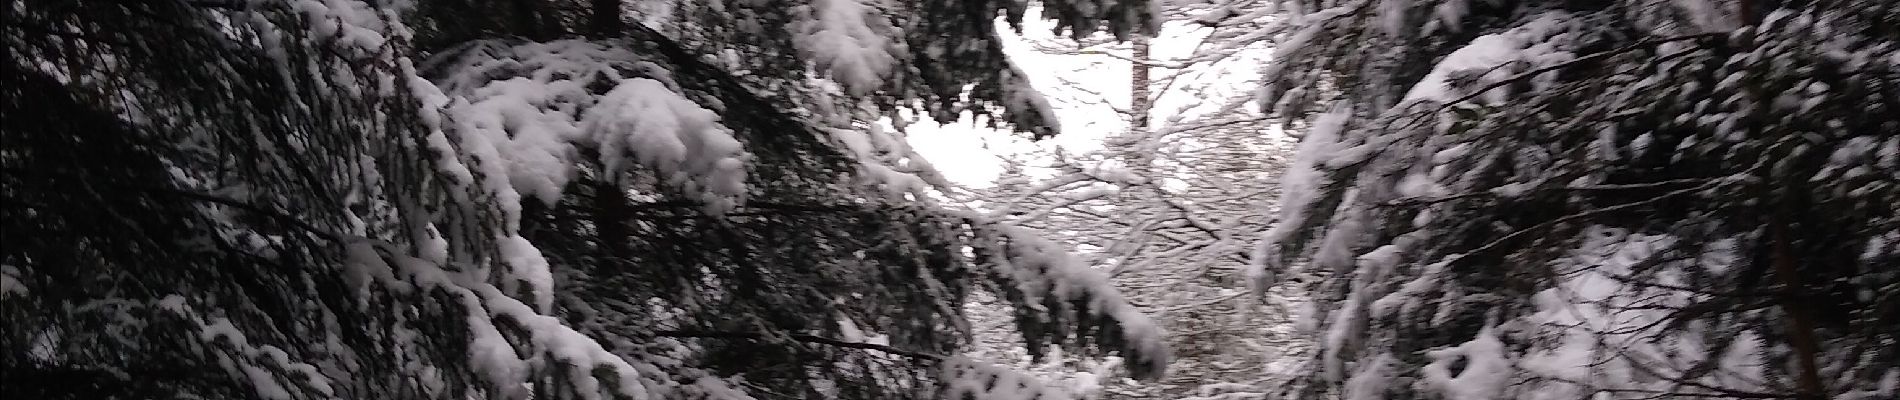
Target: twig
(802, 338)
(1572, 217)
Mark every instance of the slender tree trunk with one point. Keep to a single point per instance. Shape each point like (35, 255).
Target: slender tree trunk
(1800, 328)
(1140, 102)
(1140, 108)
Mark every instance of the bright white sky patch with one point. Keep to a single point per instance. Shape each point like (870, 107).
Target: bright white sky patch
(1086, 90)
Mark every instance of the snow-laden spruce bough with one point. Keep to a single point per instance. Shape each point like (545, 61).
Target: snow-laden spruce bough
(1606, 200)
(306, 199)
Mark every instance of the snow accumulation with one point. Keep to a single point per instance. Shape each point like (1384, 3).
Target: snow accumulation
(536, 103)
(1485, 56)
(888, 164)
(1486, 371)
(849, 41)
(348, 25)
(671, 135)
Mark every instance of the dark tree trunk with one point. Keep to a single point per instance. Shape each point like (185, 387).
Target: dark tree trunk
(1140, 101)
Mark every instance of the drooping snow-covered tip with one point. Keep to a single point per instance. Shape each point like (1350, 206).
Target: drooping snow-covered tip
(1062, 302)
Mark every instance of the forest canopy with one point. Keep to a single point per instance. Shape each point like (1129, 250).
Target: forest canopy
(671, 199)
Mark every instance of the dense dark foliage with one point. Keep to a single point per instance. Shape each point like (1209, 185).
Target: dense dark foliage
(309, 199)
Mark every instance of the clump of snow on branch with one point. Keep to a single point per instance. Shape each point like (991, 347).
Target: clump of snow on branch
(540, 102)
(681, 141)
(887, 162)
(1530, 43)
(848, 40)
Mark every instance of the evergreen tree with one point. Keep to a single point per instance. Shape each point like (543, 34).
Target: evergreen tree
(1619, 199)
(506, 199)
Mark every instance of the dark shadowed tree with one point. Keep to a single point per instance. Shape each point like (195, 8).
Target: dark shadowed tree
(510, 199)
